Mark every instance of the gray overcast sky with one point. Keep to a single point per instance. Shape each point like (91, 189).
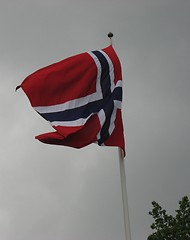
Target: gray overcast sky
(53, 193)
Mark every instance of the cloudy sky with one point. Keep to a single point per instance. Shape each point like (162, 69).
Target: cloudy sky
(53, 193)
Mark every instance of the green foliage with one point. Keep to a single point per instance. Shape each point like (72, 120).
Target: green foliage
(166, 226)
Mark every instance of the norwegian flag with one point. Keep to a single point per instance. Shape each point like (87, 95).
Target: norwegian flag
(81, 98)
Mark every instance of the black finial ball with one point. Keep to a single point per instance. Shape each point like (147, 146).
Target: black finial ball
(110, 35)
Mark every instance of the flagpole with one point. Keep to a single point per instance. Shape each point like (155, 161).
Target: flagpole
(123, 182)
(124, 195)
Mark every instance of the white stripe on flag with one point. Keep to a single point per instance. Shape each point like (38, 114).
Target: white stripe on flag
(111, 70)
(102, 119)
(75, 123)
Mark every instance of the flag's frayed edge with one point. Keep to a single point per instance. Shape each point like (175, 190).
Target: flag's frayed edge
(17, 88)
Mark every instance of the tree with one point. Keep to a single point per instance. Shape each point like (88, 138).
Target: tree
(168, 227)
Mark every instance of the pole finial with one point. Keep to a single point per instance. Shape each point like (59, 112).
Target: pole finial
(110, 35)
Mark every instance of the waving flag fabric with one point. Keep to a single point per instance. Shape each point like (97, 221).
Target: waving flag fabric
(81, 98)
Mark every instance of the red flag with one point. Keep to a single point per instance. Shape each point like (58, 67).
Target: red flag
(81, 98)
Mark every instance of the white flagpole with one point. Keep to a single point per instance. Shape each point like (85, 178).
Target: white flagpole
(123, 183)
(124, 195)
